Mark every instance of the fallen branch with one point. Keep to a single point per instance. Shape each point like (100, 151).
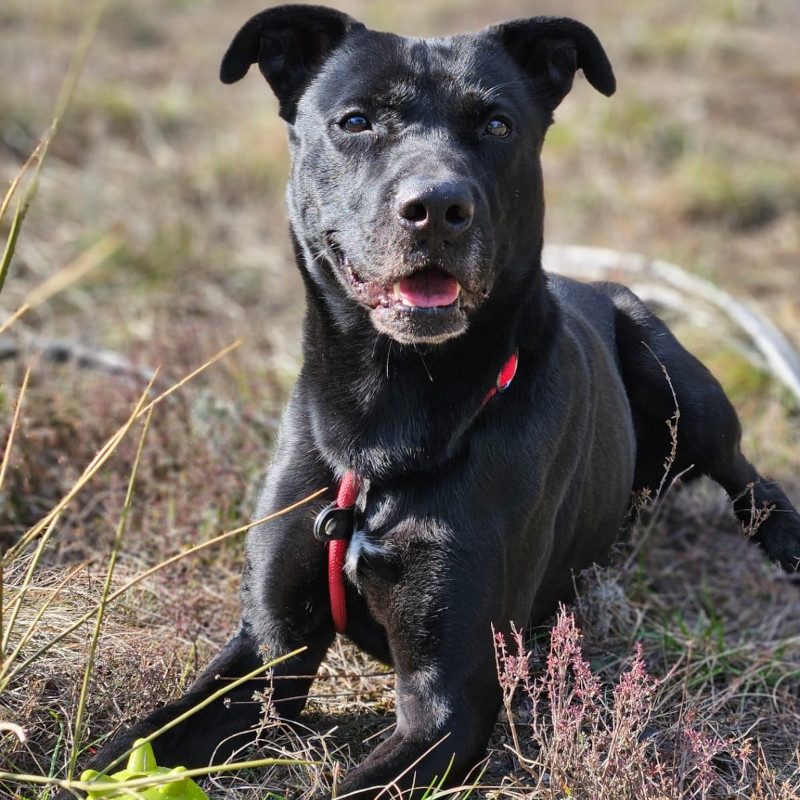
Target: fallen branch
(596, 263)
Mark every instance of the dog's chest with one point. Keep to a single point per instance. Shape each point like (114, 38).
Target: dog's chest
(363, 547)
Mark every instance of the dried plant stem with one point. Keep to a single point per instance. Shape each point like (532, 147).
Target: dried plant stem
(14, 185)
(3, 469)
(34, 623)
(80, 266)
(5, 679)
(46, 526)
(14, 317)
(49, 526)
(99, 787)
(13, 429)
(101, 607)
(206, 702)
(672, 425)
(11, 618)
(46, 523)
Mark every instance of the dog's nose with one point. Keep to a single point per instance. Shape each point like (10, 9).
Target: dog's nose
(441, 207)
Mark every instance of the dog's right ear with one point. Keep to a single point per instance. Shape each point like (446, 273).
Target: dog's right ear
(550, 50)
(290, 43)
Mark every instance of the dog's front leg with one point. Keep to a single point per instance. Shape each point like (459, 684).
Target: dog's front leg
(441, 733)
(435, 599)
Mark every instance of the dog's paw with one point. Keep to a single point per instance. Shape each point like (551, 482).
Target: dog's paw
(778, 533)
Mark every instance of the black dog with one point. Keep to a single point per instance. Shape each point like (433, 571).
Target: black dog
(416, 211)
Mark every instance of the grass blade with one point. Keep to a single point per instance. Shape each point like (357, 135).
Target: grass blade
(3, 469)
(112, 562)
(40, 152)
(11, 240)
(207, 702)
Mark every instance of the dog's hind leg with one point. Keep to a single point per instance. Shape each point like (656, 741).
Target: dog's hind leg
(661, 377)
(423, 591)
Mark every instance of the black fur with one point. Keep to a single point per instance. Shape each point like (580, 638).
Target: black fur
(469, 516)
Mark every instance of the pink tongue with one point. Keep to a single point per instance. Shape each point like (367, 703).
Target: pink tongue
(429, 288)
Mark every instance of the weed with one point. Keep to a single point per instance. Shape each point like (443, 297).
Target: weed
(757, 515)
(588, 740)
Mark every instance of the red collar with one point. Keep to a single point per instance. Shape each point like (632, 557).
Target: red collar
(505, 377)
(334, 524)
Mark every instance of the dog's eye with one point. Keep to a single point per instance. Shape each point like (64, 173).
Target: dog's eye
(356, 123)
(498, 127)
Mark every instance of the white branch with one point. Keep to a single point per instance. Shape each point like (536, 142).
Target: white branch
(596, 263)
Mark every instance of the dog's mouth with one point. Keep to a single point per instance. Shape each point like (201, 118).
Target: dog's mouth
(428, 288)
(426, 306)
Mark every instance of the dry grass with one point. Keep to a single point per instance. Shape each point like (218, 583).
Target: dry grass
(174, 245)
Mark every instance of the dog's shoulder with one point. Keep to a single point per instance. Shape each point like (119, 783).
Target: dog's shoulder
(591, 303)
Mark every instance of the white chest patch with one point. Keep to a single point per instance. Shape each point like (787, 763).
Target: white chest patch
(360, 545)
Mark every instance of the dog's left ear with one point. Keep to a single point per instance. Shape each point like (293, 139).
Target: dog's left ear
(551, 50)
(290, 43)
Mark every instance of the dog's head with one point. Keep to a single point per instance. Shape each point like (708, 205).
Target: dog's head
(416, 195)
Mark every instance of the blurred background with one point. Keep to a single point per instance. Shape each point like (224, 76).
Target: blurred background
(695, 160)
